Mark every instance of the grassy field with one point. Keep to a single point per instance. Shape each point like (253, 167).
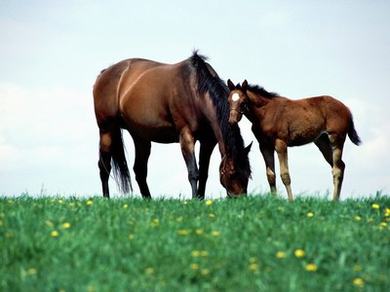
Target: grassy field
(251, 244)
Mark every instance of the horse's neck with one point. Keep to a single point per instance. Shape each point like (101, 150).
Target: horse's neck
(257, 99)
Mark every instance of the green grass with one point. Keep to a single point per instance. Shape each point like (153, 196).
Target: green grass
(172, 245)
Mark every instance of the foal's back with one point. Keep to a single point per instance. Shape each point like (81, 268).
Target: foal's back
(301, 121)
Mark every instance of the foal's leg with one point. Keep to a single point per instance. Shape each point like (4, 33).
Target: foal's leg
(323, 143)
(281, 149)
(337, 143)
(142, 153)
(104, 163)
(187, 143)
(206, 148)
(268, 155)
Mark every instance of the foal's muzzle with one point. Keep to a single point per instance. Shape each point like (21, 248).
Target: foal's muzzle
(234, 116)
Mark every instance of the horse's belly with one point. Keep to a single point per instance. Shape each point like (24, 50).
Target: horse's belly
(160, 134)
(163, 135)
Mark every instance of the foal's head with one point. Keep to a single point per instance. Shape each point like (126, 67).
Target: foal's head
(238, 101)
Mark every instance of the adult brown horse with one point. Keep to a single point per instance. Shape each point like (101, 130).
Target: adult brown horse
(279, 122)
(168, 103)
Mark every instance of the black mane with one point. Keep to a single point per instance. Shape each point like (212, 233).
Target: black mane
(209, 81)
(261, 91)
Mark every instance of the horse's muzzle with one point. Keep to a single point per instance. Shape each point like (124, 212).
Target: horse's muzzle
(235, 196)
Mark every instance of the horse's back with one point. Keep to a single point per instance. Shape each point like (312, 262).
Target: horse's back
(110, 82)
(156, 101)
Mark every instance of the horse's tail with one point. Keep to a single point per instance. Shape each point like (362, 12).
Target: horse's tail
(121, 170)
(352, 134)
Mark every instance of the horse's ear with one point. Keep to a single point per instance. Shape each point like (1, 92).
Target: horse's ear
(248, 148)
(244, 85)
(230, 85)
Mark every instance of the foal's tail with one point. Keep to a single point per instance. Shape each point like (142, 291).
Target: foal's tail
(121, 170)
(352, 134)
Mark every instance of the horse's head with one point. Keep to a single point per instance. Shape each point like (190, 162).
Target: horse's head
(235, 172)
(238, 101)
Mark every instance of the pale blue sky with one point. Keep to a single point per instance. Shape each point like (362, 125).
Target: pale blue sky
(52, 51)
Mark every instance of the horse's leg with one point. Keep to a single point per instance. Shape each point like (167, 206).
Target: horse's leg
(281, 149)
(206, 148)
(268, 155)
(323, 144)
(104, 163)
(142, 153)
(337, 143)
(187, 143)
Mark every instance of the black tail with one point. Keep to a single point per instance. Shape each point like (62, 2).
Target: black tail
(121, 170)
(352, 134)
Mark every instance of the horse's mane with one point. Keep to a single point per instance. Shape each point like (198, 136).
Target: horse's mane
(209, 81)
(261, 91)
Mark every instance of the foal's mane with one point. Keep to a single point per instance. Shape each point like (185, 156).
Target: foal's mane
(256, 89)
(209, 81)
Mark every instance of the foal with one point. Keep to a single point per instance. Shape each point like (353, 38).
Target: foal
(278, 122)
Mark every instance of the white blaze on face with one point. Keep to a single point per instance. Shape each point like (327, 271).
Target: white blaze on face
(235, 97)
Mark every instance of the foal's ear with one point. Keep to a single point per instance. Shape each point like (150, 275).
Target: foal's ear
(244, 85)
(230, 85)
(248, 148)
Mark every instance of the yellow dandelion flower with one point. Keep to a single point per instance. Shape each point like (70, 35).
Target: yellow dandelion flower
(199, 231)
(299, 253)
(183, 232)
(375, 206)
(211, 215)
(359, 282)
(310, 214)
(54, 233)
(125, 206)
(203, 253)
(209, 202)
(31, 271)
(387, 212)
(382, 225)
(280, 254)
(311, 267)
(194, 266)
(204, 272)
(89, 202)
(357, 218)
(195, 253)
(253, 267)
(149, 271)
(155, 222)
(215, 233)
(66, 225)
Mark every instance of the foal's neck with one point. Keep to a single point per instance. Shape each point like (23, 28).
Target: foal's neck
(257, 99)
